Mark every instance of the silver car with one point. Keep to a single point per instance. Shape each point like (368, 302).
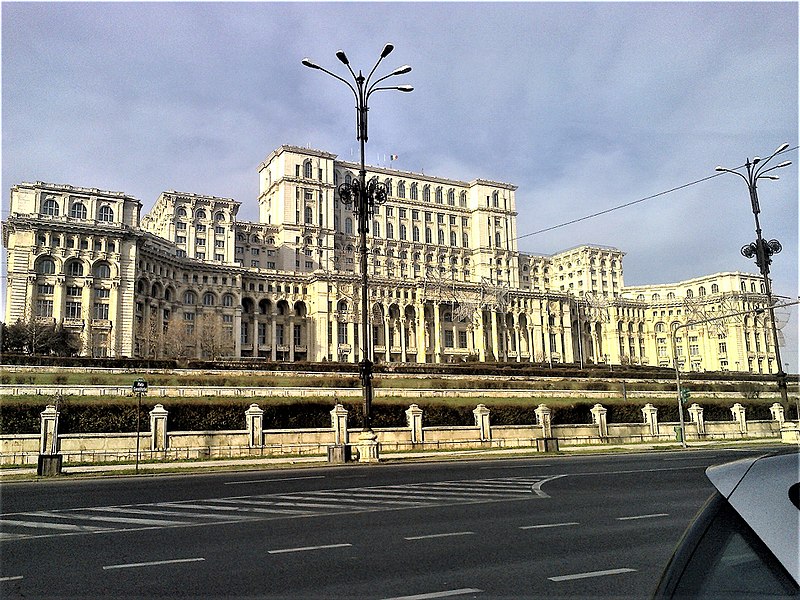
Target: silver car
(745, 541)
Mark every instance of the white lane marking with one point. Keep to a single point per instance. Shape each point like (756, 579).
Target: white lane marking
(548, 525)
(11, 578)
(60, 526)
(443, 594)
(307, 548)
(439, 535)
(536, 466)
(271, 480)
(170, 513)
(537, 487)
(653, 516)
(339, 497)
(591, 574)
(90, 517)
(154, 563)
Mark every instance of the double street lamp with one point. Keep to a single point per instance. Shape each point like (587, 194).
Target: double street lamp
(363, 196)
(763, 249)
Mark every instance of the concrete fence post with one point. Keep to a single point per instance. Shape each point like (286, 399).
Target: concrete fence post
(414, 419)
(599, 418)
(158, 427)
(48, 440)
(254, 418)
(544, 420)
(650, 413)
(696, 417)
(738, 412)
(482, 422)
(777, 413)
(339, 425)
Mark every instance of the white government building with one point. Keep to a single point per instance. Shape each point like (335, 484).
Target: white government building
(446, 280)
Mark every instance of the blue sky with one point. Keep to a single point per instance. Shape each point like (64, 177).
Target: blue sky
(584, 106)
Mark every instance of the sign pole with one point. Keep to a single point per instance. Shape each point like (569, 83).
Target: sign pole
(139, 388)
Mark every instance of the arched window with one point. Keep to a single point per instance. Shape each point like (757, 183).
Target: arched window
(403, 232)
(656, 297)
(462, 198)
(189, 297)
(415, 233)
(376, 229)
(401, 189)
(46, 266)
(348, 225)
(102, 270)
(439, 199)
(426, 193)
(389, 231)
(168, 294)
(660, 327)
(414, 191)
(227, 300)
(495, 198)
(744, 286)
(451, 197)
(308, 169)
(181, 212)
(255, 239)
(50, 207)
(106, 213)
(714, 288)
(689, 294)
(671, 296)
(453, 238)
(388, 184)
(465, 240)
(209, 299)
(77, 210)
(701, 291)
(309, 215)
(440, 237)
(497, 239)
(75, 269)
(220, 216)
(200, 214)
(428, 235)
(348, 178)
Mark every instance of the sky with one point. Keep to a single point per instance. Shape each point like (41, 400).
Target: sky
(583, 106)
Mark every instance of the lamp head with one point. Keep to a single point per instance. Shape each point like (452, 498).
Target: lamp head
(756, 160)
(781, 148)
(783, 164)
(401, 70)
(342, 57)
(387, 50)
(405, 88)
(307, 62)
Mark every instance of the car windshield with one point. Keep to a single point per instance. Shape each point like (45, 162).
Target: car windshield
(731, 562)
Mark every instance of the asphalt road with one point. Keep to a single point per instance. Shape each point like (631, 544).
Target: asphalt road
(551, 527)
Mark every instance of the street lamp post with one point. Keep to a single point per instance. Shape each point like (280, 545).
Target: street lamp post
(763, 249)
(363, 195)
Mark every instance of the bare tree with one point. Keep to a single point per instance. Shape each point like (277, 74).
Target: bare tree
(214, 338)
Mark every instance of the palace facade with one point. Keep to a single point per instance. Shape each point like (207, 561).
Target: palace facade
(447, 281)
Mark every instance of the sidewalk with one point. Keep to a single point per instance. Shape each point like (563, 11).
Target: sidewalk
(247, 463)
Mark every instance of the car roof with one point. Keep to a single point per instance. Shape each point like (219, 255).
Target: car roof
(758, 489)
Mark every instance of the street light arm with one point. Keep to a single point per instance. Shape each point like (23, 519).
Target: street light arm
(725, 170)
(399, 71)
(306, 62)
(760, 173)
(399, 88)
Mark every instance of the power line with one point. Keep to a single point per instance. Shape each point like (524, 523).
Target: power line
(632, 203)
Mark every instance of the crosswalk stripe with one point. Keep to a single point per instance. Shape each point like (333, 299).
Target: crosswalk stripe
(168, 513)
(91, 517)
(46, 525)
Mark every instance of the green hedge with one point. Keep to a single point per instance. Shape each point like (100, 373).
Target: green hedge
(190, 415)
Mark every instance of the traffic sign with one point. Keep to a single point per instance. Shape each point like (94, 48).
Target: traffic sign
(140, 386)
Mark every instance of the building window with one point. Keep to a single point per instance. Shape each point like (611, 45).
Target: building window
(78, 211)
(389, 231)
(102, 271)
(414, 191)
(348, 226)
(46, 266)
(44, 308)
(73, 309)
(50, 207)
(279, 334)
(341, 330)
(105, 213)
(189, 297)
(181, 239)
(309, 215)
(428, 235)
(401, 189)
(101, 311)
(448, 338)
(75, 269)
(45, 289)
(208, 299)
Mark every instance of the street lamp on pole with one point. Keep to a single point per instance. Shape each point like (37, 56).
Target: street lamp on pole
(761, 248)
(363, 195)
